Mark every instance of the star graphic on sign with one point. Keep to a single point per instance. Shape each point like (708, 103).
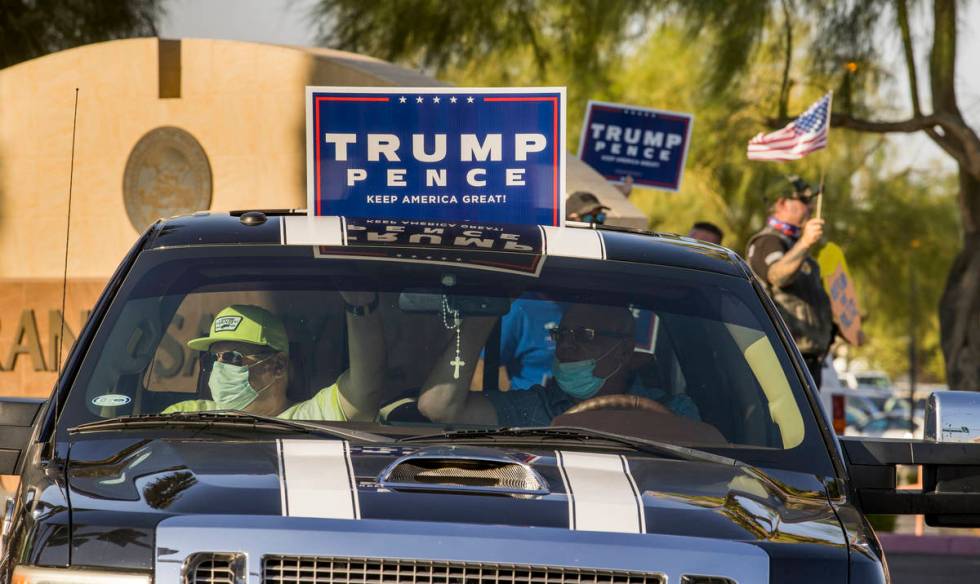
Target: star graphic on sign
(469, 100)
(418, 99)
(435, 99)
(452, 99)
(401, 99)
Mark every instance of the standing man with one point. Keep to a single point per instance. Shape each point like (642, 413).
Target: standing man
(780, 257)
(704, 231)
(585, 207)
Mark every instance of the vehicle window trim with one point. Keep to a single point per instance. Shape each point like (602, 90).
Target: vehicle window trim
(76, 355)
(831, 443)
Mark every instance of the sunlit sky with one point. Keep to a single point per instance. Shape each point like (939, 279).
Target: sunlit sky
(288, 22)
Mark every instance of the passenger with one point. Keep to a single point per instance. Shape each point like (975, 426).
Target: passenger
(593, 355)
(527, 348)
(250, 366)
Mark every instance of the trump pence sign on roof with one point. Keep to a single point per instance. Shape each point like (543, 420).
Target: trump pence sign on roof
(620, 140)
(445, 153)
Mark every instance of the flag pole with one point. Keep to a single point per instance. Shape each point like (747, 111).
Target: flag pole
(819, 212)
(823, 159)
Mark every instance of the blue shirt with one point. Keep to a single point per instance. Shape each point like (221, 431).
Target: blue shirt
(539, 405)
(526, 347)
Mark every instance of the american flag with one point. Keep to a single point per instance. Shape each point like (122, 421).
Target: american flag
(799, 138)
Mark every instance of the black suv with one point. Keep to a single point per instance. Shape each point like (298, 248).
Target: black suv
(270, 397)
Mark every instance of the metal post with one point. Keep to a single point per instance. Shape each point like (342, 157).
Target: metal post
(920, 523)
(913, 318)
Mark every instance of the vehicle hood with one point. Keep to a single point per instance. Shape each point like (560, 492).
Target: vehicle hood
(120, 489)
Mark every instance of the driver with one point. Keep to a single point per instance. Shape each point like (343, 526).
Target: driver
(250, 366)
(592, 358)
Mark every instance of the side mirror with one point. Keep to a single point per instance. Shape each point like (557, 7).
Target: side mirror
(953, 416)
(950, 460)
(17, 417)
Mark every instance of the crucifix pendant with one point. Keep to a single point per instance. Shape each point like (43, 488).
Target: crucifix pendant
(456, 364)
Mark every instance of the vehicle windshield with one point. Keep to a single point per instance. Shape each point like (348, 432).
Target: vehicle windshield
(678, 355)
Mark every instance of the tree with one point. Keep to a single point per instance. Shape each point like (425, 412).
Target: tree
(32, 28)
(844, 46)
(959, 308)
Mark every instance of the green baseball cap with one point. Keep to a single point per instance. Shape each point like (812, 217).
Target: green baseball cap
(245, 323)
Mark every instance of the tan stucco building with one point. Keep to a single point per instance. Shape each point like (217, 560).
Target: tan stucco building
(163, 127)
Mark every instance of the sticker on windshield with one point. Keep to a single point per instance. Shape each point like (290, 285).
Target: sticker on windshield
(111, 400)
(227, 323)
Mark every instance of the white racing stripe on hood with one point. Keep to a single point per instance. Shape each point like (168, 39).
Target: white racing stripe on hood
(316, 479)
(602, 494)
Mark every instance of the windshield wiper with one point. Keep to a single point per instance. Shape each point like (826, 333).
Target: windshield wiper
(220, 419)
(577, 434)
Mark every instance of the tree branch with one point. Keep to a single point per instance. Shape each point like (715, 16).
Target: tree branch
(942, 60)
(948, 146)
(902, 10)
(784, 88)
(956, 138)
(916, 124)
(838, 120)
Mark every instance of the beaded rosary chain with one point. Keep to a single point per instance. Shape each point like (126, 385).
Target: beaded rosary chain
(456, 324)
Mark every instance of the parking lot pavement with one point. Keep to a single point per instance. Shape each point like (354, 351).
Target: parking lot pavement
(936, 559)
(922, 568)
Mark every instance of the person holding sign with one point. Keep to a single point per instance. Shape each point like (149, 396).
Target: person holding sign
(780, 256)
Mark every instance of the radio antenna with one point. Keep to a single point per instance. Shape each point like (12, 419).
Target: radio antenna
(64, 279)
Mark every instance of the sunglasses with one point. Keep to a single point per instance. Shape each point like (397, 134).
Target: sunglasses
(581, 334)
(599, 217)
(805, 199)
(238, 358)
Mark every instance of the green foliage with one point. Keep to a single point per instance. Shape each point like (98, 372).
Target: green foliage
(724, 62)
(903, 224)
(438, 35)
(32, 28)
(872, 216)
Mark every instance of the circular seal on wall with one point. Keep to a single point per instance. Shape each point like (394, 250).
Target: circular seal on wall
(167, 174)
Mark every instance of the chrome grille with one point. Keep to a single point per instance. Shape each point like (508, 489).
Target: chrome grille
(214, 569)
(326, 570)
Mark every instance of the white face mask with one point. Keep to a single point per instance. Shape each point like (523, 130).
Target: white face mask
(230, 386)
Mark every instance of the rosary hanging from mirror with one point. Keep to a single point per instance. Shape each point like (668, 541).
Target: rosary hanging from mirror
(452, 322)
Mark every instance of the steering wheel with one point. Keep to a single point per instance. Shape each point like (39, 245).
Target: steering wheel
(619, 401)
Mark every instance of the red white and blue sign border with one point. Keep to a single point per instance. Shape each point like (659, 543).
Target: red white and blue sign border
(462, 93)
(679, 116)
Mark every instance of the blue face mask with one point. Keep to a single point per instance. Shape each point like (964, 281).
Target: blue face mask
(230, 386)
(577, 378)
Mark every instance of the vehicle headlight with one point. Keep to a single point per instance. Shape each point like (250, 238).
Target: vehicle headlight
(27, 575)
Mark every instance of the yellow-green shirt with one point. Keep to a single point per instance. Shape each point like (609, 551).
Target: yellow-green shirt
(323, 407)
